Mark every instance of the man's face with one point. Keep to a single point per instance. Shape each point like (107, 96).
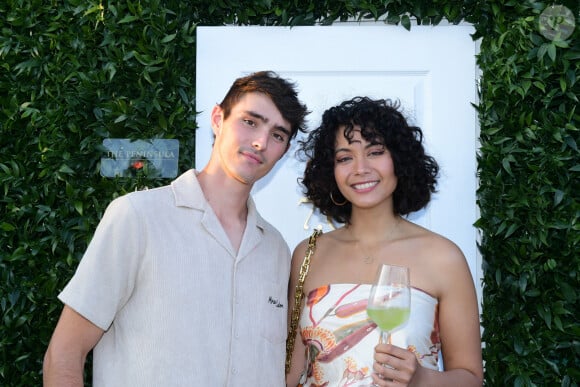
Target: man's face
(252, 139)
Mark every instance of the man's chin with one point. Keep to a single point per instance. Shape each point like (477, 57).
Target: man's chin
(252, 178)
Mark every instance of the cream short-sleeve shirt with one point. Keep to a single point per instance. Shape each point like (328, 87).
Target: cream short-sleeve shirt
(179, 307)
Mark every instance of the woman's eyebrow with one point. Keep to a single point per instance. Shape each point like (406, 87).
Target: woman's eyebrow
(338, 150)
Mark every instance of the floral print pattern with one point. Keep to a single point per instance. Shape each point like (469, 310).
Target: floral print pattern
(340, 338)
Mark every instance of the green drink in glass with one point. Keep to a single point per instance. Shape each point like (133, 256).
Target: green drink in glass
(389, 302)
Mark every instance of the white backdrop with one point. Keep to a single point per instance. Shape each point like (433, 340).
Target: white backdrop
(431, 70)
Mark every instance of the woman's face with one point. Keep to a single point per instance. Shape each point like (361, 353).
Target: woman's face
(363, 170)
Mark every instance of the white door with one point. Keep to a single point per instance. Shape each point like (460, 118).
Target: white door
(431, 70)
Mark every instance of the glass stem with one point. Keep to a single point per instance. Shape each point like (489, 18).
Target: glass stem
(385, 337)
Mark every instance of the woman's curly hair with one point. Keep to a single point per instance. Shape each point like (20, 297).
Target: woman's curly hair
(380, 121)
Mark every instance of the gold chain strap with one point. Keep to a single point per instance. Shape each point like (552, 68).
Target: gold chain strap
(298, 297)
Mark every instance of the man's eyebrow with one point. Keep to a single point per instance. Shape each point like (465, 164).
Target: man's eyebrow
(256, 115)
(266, 120)
(283, 130)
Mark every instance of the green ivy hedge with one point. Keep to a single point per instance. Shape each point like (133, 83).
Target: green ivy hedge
(73, 73)
(529, 189)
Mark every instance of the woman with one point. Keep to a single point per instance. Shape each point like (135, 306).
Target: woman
(366, 169)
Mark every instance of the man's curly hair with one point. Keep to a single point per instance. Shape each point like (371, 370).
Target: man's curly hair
(382, 122)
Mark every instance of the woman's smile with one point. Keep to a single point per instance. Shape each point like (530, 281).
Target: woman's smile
(366, 186)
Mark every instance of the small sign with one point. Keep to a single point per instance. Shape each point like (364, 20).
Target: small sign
(155, 158)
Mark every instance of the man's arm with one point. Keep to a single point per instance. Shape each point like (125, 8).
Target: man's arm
(73, 338)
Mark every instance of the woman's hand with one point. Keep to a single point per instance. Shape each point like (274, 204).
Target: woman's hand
(393, 366)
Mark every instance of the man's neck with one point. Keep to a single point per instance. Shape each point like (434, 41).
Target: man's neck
(228, 199)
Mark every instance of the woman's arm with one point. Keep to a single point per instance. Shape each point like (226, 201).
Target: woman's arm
(459, 328)
(459, 323)
(298, 355)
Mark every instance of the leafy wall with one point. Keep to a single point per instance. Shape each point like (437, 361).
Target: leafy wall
(73, 73)
(528, 196)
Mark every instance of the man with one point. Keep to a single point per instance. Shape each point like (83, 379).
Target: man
(186, 285)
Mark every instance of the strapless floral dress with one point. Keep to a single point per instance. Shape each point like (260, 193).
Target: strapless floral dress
(340, 338)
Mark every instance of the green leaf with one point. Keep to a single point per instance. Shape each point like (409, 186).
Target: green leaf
(128, 19)
(563, 84)
(552, 51)
(168, 38)
(406, 22)
(121, 118)
(558, 196)
(7, 226)
(78, 206)
(66, 169)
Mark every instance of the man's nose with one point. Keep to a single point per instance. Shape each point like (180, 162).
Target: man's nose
(260, 142)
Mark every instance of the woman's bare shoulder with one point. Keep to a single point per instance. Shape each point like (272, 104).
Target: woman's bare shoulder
(436, 260)
(432, 245)
(323, 239)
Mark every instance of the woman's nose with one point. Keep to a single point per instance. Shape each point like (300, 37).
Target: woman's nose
(362, 166)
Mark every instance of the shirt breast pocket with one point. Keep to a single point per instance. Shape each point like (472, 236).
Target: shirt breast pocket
(274, 313)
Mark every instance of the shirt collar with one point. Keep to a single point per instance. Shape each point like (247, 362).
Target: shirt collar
(188, 193)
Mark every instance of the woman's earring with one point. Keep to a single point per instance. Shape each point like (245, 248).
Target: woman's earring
(338, 204)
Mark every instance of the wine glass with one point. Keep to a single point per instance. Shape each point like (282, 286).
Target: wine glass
(389, 302)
